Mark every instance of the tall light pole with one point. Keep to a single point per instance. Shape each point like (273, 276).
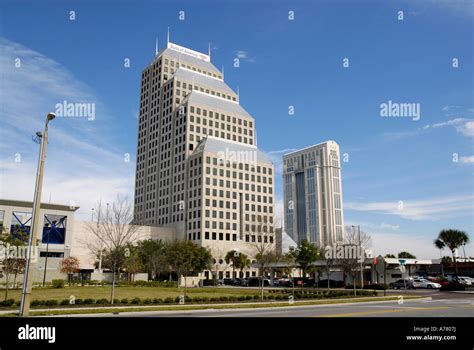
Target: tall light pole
(28, 281)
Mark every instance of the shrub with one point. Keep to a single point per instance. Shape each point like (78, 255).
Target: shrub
(8, 302)
(249, 297)
(64, 302)
(78, 302)
(205, 299)
(102, 301)
(242, 298)
(233, 298)
(169, 300)
(51, 302)
(124, 301)
(37, 302)
(376, 286)
(224, 298)
(57, 283)
(256, 297)
(147, 301)
(157, 301)
(213, 299)
(116, 301)
(136, 301)
(88, 301)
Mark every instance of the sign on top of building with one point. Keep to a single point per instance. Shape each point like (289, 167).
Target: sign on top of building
(189, 52)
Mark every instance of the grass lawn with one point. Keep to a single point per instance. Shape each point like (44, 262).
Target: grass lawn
(99, 292)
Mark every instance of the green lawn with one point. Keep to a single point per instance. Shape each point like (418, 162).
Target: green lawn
(96, 292)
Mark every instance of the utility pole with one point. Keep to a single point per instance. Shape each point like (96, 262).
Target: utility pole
(361, 266)
(28, 279)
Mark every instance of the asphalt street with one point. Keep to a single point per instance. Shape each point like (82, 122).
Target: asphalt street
(441, 305)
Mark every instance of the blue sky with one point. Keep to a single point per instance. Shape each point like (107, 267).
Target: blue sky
(400, 182)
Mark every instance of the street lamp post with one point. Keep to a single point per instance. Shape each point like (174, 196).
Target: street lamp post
(28, 281)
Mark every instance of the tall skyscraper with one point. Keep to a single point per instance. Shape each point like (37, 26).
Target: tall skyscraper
(313, 194)
(198, 167)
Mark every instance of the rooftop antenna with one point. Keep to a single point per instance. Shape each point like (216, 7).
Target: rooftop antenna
(156, 47)
(168, 37)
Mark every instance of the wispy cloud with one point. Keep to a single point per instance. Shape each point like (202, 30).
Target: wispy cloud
(426, 209)
(467, 160)
(244, 55)
(82, 165)
(464, 126)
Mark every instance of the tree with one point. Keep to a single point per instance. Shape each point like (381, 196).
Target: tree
(238, 261)
(132, 263)
(13, 263)
(406, 255)
(452, 239)
(329, 263)
(440, 246)
(15, 267)
(263, 248)
(360, 241)
(390, 256)
(151, 253)
(111, 234)
(304, 255)
(69, 266)
(446, 260)
(186, 258)
(352, 237)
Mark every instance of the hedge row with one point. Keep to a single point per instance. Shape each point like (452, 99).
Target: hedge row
(188, 299)
(322, 294)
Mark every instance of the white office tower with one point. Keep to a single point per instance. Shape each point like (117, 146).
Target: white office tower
(313, 194)
(198, 168)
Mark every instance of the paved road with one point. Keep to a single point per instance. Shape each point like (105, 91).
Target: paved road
(453, 306)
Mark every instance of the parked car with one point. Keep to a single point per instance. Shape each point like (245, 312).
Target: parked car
(255, 282)
(228, 282)
(240, 282)
(286, 282)
(424, 283)
(402, 284)
(467, 280)
(459, 280)
(442, 281)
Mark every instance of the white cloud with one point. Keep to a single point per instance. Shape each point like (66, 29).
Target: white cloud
(467, 160)
(426, 209)
(463, 126)
(82, 164)
(244, 55)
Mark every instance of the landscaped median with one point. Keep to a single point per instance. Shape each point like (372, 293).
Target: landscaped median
(205, 298)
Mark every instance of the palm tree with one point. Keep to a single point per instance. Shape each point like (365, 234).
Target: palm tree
(452, 239)
(440, 245)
